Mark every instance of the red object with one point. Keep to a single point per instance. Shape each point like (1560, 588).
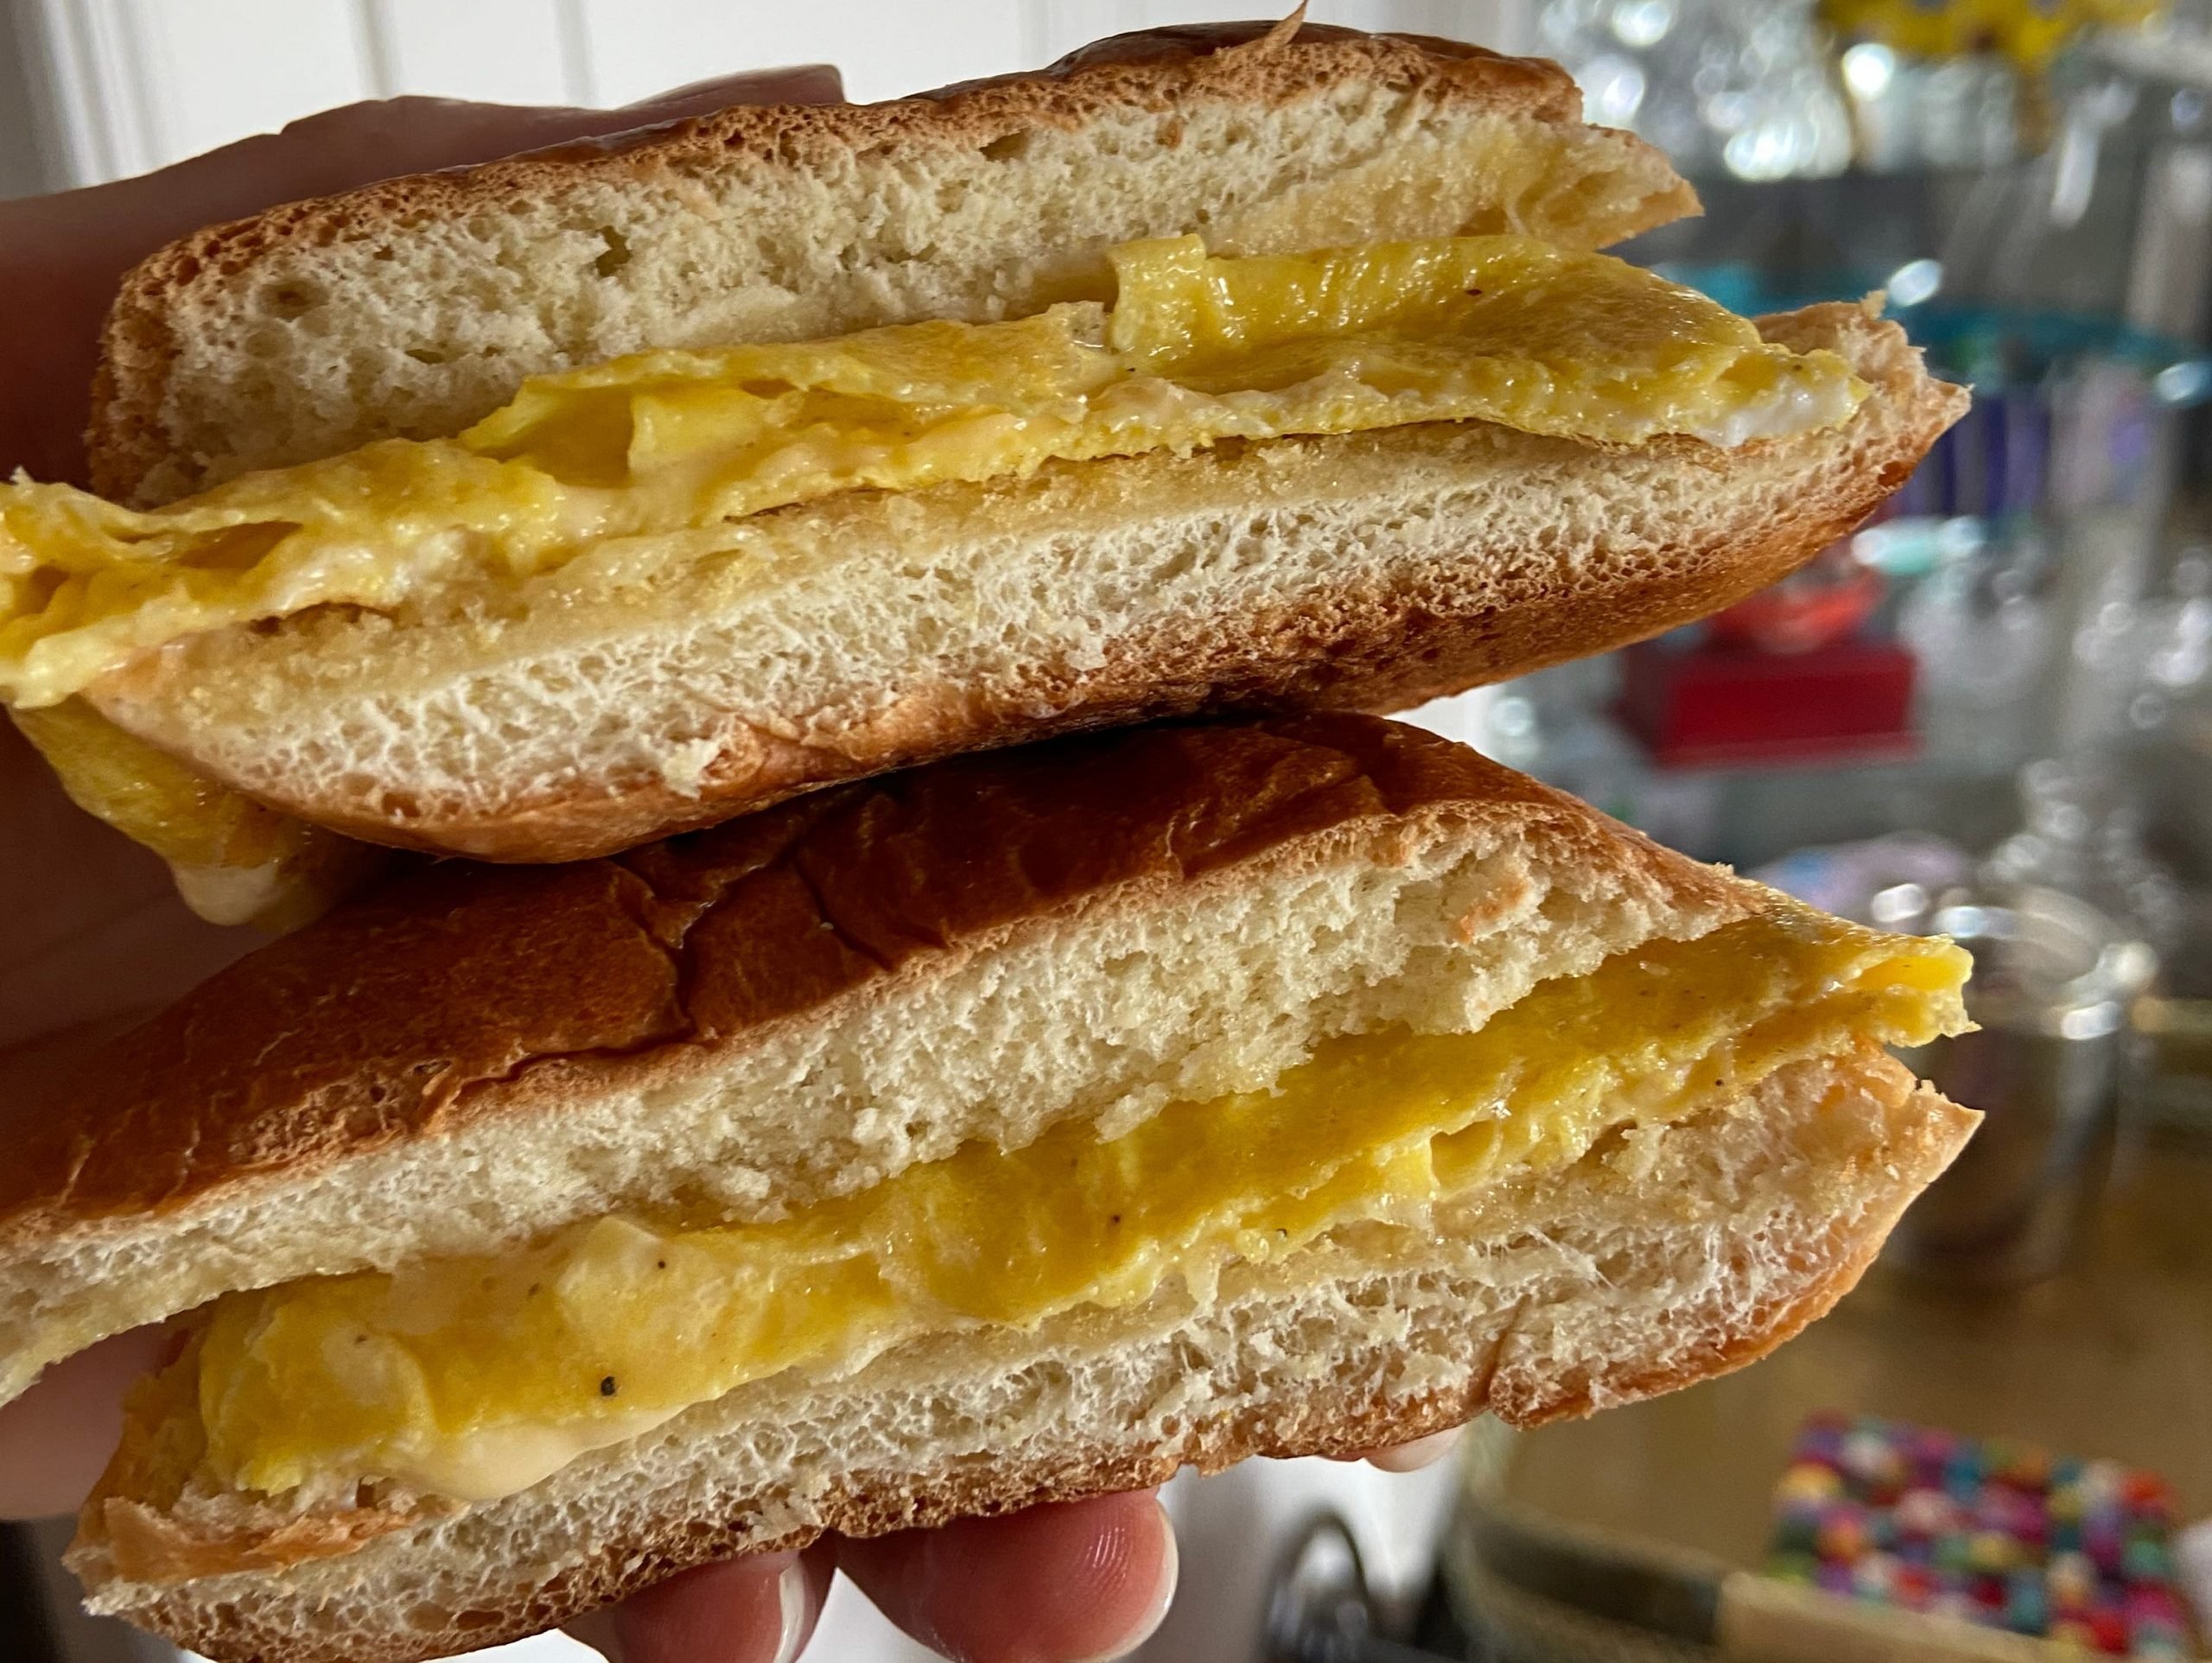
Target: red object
(1715, 705)
(2147, 1493)
(1805, 612)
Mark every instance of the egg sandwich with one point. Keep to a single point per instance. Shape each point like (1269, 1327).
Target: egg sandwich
(1021, 1127)
(536, 510)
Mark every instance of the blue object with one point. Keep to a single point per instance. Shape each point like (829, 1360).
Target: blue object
(2027, 1607)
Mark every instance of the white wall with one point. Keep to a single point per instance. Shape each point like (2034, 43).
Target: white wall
(137, 83)
(25, 168)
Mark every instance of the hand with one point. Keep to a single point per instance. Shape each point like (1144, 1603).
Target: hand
(93, 938)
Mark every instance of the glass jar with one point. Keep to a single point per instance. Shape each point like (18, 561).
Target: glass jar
(2054, 989)
(2081, 835)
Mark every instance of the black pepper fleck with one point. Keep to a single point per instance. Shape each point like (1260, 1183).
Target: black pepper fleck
(606, 1386)
(660, 1264)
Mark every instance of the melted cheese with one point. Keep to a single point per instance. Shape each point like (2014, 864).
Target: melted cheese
(235, 861)
(478, 1378)
(1196, 349)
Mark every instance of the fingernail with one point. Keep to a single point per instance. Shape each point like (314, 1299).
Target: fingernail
(1422, 1452)
(795, 83)
(1171, 1569)
(795, 1595)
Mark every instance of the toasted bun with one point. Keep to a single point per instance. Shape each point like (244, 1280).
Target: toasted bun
(1642, 1268)
(806, 1002)
(415, 307)
(873, 630)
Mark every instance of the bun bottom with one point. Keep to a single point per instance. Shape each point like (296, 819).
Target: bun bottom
(1663, 1258)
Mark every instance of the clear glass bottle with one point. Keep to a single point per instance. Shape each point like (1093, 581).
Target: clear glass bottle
(2083, 836)
(1738, 87)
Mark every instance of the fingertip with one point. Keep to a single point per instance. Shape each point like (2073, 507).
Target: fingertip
(804, 1590)
(818, 83)
(56, 1439)
(759, 1608)
(1169, 1575)
(1067, 1580)
(355, 144)
(797, 84)
(596, 1629)
(1422, 1452)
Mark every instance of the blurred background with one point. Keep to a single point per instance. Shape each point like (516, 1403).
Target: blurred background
(1985, 713)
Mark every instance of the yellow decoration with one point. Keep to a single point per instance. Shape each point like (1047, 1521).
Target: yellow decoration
(2030, 32)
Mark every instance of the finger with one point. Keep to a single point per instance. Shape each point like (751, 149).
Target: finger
(1411, 1457)
(761, 1609)
(1075, 1580)
(56, 1438)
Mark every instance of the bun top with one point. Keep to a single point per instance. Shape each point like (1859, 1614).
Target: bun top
(451, 991)
(417, 305)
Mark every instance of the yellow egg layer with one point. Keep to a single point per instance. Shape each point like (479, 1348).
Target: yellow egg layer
(477, 1377)
(1196, 349)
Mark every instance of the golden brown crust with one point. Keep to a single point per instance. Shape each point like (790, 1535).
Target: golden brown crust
(1268, 64)
(459, 991)
(1410, 651)
(1326, 1418)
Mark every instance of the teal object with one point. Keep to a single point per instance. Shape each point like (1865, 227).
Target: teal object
(1989, 347)
(2027, 1607)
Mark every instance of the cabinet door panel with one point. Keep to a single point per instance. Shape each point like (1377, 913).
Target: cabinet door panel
(505, 51)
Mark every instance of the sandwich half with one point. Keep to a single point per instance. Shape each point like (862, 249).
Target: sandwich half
(1022, 1127)
(533, 511)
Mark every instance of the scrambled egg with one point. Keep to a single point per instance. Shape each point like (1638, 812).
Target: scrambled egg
(1196, 349)
(478, 1378)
